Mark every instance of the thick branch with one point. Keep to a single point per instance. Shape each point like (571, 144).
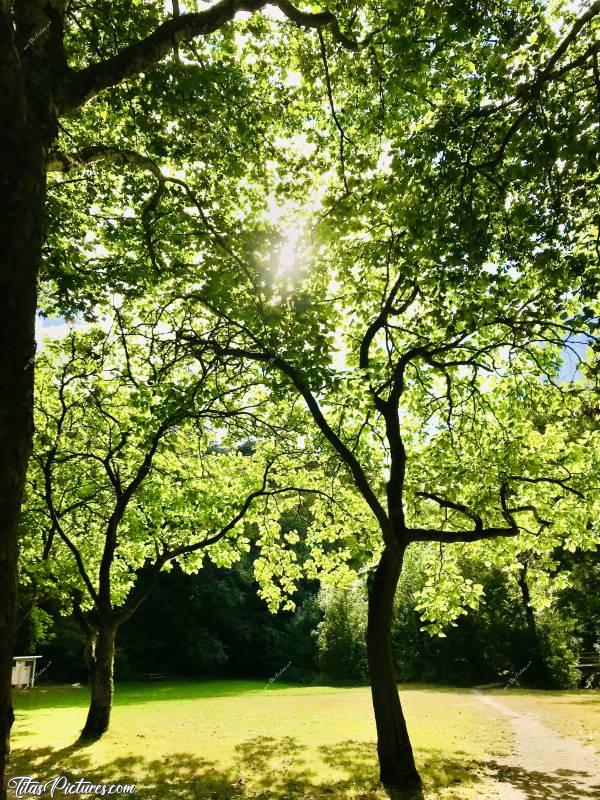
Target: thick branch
(170, 555)
(319, 21)
(380, 321)
(449, 537)
(79, 87)
(123, 498)
(47, 465)
(529, 93)
(69, 162)
(579, 23)
(479, 532)
(59, 161)
(76, 555)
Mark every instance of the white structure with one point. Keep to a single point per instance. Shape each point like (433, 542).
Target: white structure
(23, 671)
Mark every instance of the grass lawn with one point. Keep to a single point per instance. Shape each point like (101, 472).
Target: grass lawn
(229, 739)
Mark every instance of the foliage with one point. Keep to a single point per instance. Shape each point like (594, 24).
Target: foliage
(398, 264)
(117, 459)
(449, 268)
(213, 624)
(218, 611)
(560, 652)
(428, 322)
(37, 628)
(489, 645)
(341, 633)
(124, 473)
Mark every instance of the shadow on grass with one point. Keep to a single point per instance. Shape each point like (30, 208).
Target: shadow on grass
(562, 784)
(280, 769)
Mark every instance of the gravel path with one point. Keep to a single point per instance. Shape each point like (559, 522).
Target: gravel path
(543, 765)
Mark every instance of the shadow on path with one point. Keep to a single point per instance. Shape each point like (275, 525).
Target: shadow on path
(562, 784)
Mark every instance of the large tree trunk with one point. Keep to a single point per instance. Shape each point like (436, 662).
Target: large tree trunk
(22, 194)
(397, 768)
(101, 660)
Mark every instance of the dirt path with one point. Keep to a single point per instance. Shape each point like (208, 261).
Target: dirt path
(544, 765)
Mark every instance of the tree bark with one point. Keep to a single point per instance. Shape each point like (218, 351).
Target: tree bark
(101, 661)
(397, 770)
(22, 195)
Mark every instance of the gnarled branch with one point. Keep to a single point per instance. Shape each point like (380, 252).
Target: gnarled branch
(80, 86)
(59, 161)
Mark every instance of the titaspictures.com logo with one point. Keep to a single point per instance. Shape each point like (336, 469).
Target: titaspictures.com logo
(26, 786)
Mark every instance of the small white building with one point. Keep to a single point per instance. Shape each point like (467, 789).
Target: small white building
(23, 671)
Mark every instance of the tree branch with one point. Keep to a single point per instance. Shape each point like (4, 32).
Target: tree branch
(532, 89)
(69, 162)
(555, 481)
(347, 456)
(529, 93)
(59, 161)
(460, 507)
(381, 320)
(338, 124)
(123, 498)
(80, 86)
(450, 537)
(479, 532)
(169, 555)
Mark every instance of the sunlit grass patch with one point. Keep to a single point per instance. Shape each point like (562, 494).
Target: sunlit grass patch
(228, 739)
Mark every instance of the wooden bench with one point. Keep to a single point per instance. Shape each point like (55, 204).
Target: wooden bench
(589, 660)
(151, 677)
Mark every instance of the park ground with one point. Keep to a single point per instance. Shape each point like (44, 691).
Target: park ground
(231, 739)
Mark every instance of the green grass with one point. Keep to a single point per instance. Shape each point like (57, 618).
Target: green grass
(135, 693)
(230, 739)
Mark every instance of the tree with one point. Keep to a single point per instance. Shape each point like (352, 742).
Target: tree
(124, 476)
(455, 264)
(488, 483)
(56, 58)
(471, 127)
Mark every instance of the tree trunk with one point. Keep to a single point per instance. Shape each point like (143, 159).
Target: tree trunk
(22, 194)
(397, 768)
(537, 669)
(101, 662)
